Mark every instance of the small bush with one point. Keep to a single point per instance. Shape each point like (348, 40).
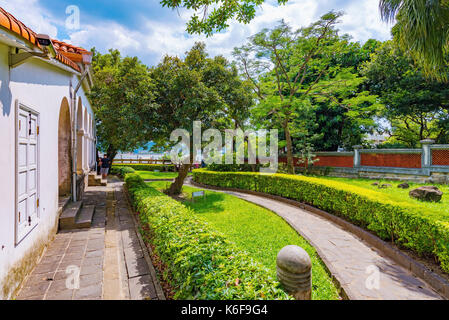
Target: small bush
(406, 224)
(122, 171)
(234, 167)
(202, 263)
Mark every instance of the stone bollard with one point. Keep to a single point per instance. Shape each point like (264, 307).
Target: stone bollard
(294, 272)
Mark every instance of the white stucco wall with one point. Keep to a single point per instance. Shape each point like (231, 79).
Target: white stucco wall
(41, 87)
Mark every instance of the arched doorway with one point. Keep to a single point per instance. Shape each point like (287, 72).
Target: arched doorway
(80, 138)
(64, 150)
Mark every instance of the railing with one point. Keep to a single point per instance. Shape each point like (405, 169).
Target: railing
(141, 161)
(430, 158)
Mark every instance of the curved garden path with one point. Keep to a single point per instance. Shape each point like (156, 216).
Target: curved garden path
(350, 260)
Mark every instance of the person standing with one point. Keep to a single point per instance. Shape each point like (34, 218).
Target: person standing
(105, 164)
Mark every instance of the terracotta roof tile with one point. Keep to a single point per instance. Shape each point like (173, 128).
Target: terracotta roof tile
(63, 49)
(9, 22)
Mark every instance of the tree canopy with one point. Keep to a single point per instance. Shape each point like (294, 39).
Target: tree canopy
(416, 107)
(123, 99)
(422, 29)
(212, 16)
(197, 88)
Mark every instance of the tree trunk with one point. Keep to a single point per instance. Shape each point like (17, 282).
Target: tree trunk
(176, 187)
(111, 153)
(288, 138)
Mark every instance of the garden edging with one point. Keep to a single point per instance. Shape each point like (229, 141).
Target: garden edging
(438, 283)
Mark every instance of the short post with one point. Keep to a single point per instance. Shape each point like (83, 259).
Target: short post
(294, 272)
(357, 156)
(426, 152)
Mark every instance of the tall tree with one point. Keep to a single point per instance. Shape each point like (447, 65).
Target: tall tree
(197, 88)
(422, 29)
(289, 69)
(123, 101)
(344, 124)
(416, 107)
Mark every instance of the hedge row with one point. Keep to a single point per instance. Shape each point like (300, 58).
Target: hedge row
(203, 264)
(148, 167)
(402, 223)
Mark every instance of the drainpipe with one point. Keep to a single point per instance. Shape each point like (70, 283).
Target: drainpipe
(75, 135)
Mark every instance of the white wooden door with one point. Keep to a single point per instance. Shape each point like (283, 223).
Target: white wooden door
(27, 213)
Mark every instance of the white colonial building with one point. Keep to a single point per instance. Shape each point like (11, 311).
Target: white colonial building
(47, 142)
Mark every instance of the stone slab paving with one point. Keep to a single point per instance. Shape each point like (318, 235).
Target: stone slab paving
(106, 260)
(353, 262)
(142, 280)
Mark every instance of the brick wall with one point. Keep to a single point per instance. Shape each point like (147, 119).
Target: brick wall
(392, 160)
(440, 157)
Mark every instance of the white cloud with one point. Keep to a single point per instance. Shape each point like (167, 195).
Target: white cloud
(33, 15)
(106, 36)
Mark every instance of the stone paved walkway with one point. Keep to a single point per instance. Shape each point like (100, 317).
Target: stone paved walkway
(349, 259)
(106, 262)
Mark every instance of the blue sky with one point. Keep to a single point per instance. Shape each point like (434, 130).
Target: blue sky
(145, 29)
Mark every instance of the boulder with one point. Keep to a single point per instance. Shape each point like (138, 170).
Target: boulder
(375, 184)
(427, 193)
(385, 186)
(404, 186)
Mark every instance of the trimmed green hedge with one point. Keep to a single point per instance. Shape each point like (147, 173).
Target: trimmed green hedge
(121, 170)
(148, 167)
(203, 264)
(403, 223)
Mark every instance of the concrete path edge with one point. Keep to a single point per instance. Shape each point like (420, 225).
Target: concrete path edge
(138, 226)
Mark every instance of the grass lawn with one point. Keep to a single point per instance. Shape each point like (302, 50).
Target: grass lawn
(151, 175)
(258, 231)
(439, 211)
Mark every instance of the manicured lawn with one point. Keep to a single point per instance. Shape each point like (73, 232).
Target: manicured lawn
(258, 231)
(438, 210)
(151, 175)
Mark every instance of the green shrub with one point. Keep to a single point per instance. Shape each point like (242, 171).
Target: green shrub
(148, 167)
(122, 171)
(406, 224)
(234, 167)
(203, 264)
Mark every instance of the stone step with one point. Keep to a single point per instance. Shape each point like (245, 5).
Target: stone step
(67, 220)
(85, 216)
(96, 181)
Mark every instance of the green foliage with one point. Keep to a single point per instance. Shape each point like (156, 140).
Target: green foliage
(234, 167)
(422, 29)
(123, 102)
(151, 175)
(212, 16)
(404, 223)
(252, 227)
(197, 88)
(121, 170)
(303, 79)
(202, 263)
(416, 107)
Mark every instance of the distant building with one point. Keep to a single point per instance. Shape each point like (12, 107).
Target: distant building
(377, 138)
